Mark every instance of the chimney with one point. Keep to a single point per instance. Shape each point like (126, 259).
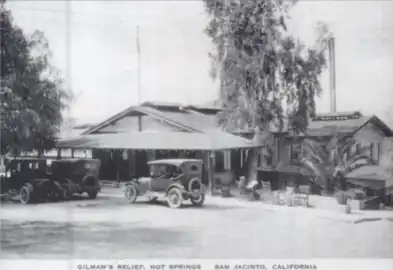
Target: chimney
(332, 73)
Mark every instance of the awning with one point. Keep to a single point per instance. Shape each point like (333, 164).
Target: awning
(158, 141)
(372, 172)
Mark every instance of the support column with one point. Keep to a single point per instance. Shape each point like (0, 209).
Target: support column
(72, 152)
(117, 157)
(58, 153)
(210, 171)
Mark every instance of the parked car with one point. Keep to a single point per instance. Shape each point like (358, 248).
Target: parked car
(177, 180)
(77, 176)
(36, 181)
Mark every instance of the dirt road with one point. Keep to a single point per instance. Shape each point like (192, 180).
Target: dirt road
(109, 227)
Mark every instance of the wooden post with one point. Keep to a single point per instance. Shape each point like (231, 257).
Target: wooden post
(72, 152)
(140, 123)
(58, 153)
(117, 157)
(210, 169)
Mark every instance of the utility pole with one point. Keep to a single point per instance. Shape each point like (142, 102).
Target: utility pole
(138, 47)
(2, 93)
(68, 45)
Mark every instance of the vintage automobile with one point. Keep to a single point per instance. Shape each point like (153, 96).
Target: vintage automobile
(36, 181)
(77, 176)
(177, 180)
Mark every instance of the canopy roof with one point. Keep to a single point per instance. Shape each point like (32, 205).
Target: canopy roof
(372, 172)
(174, 161)
(158, 141)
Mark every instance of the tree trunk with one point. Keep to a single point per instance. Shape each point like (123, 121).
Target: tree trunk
(251, 165)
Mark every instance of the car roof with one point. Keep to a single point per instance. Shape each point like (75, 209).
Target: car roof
(70, 160)
(25, 158)
(175, 161)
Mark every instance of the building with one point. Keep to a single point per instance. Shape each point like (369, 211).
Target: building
(126, 141)
(282, 164)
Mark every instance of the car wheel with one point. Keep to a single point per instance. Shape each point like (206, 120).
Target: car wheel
(25, 195)
(131, 193)
(55, 195)
(175, 198)
(198, 201)
(92, 194)
(66, 192)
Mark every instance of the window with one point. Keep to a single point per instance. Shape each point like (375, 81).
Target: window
(194, 168)
(295, 151)
(265, 157)
(268, 156)
(375, 152)
(357, 148)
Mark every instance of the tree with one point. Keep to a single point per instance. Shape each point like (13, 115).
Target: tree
(33, 96)
(330, 161)
(266, 74)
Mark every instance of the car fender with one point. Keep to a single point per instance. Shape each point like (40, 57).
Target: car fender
(38, 182)
(135, 185)
(142, 184)
(57, 185)
(30, 187)
(89, 176)
(176, 185)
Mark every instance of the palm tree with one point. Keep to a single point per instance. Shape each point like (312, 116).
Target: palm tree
(330, 162)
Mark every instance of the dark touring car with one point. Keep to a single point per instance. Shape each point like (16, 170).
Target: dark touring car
(36, 181)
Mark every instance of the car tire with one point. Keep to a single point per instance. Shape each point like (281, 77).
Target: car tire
(131, 193)
(175, 198)
(92, 194)
(26, 195)
(198, 201)
(66, 192)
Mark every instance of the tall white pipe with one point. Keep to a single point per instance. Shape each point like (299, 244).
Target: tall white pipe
(332, 74)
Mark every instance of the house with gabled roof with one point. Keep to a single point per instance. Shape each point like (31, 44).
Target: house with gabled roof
(127, 140)
(282, 165)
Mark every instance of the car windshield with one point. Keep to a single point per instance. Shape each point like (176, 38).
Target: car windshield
(164, 170)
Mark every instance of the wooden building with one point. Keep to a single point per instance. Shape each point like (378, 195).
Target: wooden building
(126, 141)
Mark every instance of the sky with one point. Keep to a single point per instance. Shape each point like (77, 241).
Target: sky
(103, 69)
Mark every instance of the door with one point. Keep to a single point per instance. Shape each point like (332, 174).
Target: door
(162, 178)
(141, 167)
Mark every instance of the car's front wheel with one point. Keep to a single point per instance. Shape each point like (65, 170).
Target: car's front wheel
(92, 194)
(66, 192)
(198, 201)
(131, 193)
(26, 195)
(175, 198)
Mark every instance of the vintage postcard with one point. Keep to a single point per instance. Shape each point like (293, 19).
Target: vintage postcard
(196, 134)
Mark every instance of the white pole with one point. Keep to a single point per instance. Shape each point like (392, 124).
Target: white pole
(332, 73)
(68, 46)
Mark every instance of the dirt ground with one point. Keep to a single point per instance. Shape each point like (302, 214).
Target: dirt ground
(109, 227)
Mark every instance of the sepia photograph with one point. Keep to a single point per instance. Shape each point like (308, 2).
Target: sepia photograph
(207, 130)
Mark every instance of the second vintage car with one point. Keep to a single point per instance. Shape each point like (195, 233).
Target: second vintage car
(36, 181)
(177, 180)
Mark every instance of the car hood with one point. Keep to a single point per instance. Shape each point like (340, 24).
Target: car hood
(144, 179)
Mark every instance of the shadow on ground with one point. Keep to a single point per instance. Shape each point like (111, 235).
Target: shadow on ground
(78, 239)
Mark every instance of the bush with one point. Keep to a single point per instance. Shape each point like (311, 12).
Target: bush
(341, 197)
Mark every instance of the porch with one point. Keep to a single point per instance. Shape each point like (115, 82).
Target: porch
(125, 155)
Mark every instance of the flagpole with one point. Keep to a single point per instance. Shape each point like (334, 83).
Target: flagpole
(139, 65)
